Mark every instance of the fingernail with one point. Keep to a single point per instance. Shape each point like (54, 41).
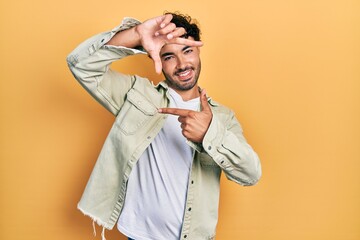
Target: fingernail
(159, 110)
(162, 25)
(170, 36)
(156, 34)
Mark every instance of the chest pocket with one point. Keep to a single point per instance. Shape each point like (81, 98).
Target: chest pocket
(136, 111)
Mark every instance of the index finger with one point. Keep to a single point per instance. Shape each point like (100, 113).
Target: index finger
(175, 111)
(187, 42)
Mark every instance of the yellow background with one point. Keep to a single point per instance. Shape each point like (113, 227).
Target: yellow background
(289, 69)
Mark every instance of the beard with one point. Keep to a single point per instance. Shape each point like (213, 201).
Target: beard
(178, 85)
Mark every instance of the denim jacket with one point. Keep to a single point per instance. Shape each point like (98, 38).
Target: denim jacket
(134, 101)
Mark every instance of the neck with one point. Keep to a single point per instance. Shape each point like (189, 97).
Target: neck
(187, 95)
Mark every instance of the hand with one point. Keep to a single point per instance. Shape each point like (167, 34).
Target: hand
(156, 32)
(194, 124)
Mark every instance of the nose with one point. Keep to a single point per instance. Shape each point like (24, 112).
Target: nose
(181, 62)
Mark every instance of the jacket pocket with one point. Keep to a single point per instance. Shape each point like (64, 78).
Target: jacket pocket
(136, 111)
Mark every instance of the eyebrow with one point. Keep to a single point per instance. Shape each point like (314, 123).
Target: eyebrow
(171, 53)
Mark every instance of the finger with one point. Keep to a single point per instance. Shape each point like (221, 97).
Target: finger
(204, 102)
(163, 21)
(168, 29)
(178, 32)
(158, 67)
(166, 20)
(175, 111)
(157, 61)
(160, 20)
(187, 42)
(182, 119)
(185, 134)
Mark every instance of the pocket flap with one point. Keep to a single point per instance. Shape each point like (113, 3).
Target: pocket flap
(141, 102)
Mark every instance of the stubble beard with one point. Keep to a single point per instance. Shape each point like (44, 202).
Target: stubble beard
(177, 86)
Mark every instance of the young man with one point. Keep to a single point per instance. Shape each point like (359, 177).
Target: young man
(158, 173)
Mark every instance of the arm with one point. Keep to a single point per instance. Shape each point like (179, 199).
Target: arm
(222, 139)
(90, 61)
(152, 35)
(226, 144)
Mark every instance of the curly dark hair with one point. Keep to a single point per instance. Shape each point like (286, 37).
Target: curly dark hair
(185, 21)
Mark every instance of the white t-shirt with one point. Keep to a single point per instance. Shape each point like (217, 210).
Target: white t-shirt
(157, 186)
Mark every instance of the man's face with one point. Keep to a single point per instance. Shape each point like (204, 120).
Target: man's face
(181, 66)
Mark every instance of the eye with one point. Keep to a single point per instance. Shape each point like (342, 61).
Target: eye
(167, 58)
(187, 51)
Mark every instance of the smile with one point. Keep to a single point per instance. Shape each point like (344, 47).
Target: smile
(184, 75)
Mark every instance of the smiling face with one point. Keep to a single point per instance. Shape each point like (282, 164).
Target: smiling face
(181, 67)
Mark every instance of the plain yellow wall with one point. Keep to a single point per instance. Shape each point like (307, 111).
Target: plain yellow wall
(289, 69)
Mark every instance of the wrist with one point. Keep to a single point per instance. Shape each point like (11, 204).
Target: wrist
(126, 38)
(137, 36)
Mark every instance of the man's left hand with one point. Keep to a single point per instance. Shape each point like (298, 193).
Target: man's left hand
(194, 124)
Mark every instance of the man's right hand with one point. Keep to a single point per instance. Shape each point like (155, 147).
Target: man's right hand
(152, 35)
(156, 32)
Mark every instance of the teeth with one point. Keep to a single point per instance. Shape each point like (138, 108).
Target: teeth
(184, 73)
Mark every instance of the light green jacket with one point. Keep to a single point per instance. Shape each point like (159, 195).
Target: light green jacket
(134, 101)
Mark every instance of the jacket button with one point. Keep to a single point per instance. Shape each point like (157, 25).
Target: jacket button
(209, 147)
(189, 209)
(185, 236)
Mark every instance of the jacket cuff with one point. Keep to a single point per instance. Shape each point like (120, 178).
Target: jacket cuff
(212, 142)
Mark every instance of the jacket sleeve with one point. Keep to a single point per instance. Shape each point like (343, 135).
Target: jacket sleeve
(226, 144)
(90, 65)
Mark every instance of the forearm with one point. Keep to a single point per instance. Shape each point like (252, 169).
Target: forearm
(129, 38)
(90, 65)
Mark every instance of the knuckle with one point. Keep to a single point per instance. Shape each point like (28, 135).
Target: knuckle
(187, 120)
(192, 114)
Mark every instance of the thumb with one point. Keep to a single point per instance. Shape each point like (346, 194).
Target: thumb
(157, 61)
(204, 102)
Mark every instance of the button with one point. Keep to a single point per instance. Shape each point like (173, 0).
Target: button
(192, 182)
(148, 137)
(189, 209)
(102, 40)
(185, 236)
(209, 147)
(222, 161)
